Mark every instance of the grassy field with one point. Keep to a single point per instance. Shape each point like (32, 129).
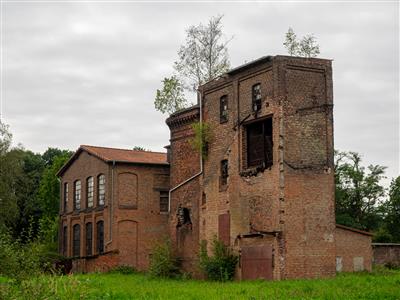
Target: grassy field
(378, 285)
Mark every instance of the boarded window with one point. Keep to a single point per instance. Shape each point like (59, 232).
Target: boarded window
(164, 201)
(100, 237)
(256, 97)
(223, 109)
(64, 241)
(259, 143)
(224, 172)
(65, 205)
(101, 189)
(224, 228)
(77, 195)
(89, 239)
(128, 189)
(76, 244)
(89, 191)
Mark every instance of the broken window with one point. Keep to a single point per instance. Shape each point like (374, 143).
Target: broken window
(89, 238)
(259, 143)
(100, 237)
(164, 201)
(89, 191)
(65, 197)
(101, 189)
(224, 172)
(256, 97)
(76, 245)
(223, 109)
(77, 195)
(65, 238)
(183, 215)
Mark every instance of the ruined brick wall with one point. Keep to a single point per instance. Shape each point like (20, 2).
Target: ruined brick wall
(386, 253)
(353, 250)
(137, 223)
(293, 199)
(185, 163)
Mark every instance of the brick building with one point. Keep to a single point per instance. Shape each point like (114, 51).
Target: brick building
(265, 187)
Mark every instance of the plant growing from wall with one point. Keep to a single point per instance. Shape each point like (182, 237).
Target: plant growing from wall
(202, 138)
(221, 266)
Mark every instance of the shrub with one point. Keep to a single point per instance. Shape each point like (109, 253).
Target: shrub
(163, 261)
(125, 270)
(221, 266)
(202, 137)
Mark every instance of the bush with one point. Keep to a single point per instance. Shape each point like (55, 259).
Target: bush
(163, 261)
(125, 270)
(221, 266)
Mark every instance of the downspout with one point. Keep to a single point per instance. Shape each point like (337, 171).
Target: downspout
(199, 99)
(111, 202)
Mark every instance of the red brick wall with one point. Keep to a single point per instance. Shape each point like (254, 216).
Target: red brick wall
(136, 219)
(353, 248)
(386, 253)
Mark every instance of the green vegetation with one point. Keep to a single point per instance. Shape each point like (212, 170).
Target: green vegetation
(202, 138)
(163, 260)
(382, 284)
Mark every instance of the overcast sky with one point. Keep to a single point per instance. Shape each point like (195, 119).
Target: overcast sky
(86, 73)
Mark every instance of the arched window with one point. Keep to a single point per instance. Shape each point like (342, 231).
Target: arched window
(65, 205)
(101, 189)
(64, 241)
(100, 237)
(89, 191)
(89, 239)
(77, 195)
(76, 243)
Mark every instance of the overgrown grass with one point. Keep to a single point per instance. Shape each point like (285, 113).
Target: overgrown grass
(382, 284)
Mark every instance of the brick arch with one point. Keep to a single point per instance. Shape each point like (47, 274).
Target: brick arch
(128, 190)
(128, 242)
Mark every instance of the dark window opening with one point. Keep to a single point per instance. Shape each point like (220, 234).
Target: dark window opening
(76, 248)
(77, 195)
(223, 109)
(224, 172)
(259, 144)
(64, 243)
(183, 216)
(204, 199)
(164, 201)
(65, 197)
(89, 238)
(100, 237)
(256, 97)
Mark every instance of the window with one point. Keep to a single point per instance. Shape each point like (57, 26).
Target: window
(64, 240)
(89, 191)
(65, 197)
(224, 172)
(256, 97)
(101, 188)
(76, 245)
(89, 238)
(77, 195)
(259, 143)
(100, 237)
(164, 201)
(223, 109)
(204, 199)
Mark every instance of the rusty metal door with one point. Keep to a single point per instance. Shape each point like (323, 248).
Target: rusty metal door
(256, 262)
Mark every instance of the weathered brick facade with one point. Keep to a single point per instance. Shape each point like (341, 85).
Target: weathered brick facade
(266, 187)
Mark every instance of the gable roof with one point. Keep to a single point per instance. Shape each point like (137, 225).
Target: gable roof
(354, 230)
(117, 155)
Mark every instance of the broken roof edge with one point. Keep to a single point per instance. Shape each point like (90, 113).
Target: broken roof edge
(86, 148)
(354, 230)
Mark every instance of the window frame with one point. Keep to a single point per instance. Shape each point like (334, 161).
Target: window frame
(100, 237)
(101, 190)
(77, 195)
(164, 194)
(265, 162)
(224, 172)
(256, 103)
(223, 109)
(76, 240)
(89, 239)
(89, 191)
(65, 196)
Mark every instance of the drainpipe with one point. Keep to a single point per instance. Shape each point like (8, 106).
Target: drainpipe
(199, 99)
(111, 202)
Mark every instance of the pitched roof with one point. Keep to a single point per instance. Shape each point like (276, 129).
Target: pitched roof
(354, 230)
(119, 155)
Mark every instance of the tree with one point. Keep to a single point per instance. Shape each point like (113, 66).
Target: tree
(171, 98)
(307, 47)
(203, 57)
(392, 219)
(358, 191)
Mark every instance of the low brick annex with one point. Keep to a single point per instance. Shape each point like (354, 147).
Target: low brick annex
(265, 185)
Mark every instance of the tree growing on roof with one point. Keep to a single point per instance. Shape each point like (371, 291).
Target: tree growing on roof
(203, 57)
(306, 47)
